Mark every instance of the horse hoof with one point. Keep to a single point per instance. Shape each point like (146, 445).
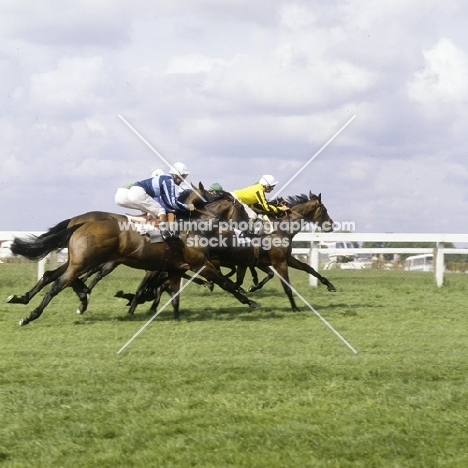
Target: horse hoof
(14, 299)
(332, 288)
(254, 305)
(209, 285)
(252, 289)
(23, 321)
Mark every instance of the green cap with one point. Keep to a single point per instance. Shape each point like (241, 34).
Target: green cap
(215, 187)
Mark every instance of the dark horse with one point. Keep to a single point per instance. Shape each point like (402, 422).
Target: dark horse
(220, 206)
(269, 250)
(275, 249)
(94, 244)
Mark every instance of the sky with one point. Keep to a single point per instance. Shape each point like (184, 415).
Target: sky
(236, 89)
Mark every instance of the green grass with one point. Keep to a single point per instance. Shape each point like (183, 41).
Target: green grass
(231, 387)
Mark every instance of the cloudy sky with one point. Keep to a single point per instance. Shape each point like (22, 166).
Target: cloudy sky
(235, 89)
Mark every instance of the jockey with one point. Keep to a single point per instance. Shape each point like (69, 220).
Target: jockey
(253, 197)
(121, 196)
(214, 188)
(158, 196)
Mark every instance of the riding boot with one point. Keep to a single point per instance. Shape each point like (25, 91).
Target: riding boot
(166, 235)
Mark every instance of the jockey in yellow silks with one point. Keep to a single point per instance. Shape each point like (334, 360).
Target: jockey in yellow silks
(253, 197)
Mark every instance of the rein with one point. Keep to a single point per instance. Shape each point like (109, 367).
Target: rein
(206, 213)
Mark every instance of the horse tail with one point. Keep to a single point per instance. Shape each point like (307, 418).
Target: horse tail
(37, 247)
(56, 229)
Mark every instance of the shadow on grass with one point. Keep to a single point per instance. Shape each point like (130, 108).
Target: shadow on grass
(223, 312)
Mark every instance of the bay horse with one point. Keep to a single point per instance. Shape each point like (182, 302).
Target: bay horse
(108, 252)
(239, 259)
(99, 242)
(293, 262)
(218, 206)
(222, 209)
(275, 249)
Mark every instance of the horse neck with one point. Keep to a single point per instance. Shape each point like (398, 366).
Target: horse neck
(226, 210)
(307, 211)
(304, 211)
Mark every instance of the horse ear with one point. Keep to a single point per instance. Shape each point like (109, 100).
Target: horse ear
(311, 195)
(320, 198)
(193, 186)
(200, 186)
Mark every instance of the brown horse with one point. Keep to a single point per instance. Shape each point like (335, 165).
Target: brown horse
(50, 236)
(272, 250)
(220, 206)
(275, 249)
(96, 243)
(309, 208)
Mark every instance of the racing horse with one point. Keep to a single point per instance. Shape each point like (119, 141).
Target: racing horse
(100, 242)
(219, 205)
(275, 249)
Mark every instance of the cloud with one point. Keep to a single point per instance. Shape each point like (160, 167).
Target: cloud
(236, 88)
(444, 78)
(73, 90)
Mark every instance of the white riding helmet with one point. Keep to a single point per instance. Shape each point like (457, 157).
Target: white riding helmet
(157, 172)
(268, 180)
(179, 169)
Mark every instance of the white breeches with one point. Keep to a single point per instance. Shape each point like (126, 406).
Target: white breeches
(122, 199)
(142, 201)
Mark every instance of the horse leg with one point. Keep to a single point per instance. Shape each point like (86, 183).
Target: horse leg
(231, 272)
(293, 262)
(47, 278)
(174, 286)
(282, 270)
(90, 273)
(240, 276)
(65, 280)
(265, 280)
(82, 292)
(145, 291)
(108, 267)
(254, 274)
(207, 284)
(157, 298)
(212, 274)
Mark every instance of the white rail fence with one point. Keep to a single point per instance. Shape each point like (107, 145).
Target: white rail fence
(314, 238)
(439, 251)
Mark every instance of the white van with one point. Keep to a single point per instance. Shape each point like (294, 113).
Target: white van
(338, 251)
(419, 263)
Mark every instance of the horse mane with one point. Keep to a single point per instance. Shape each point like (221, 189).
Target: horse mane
(184, 195)
(208, 196)
(295, 200)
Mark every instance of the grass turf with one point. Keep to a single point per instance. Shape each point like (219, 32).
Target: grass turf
(231, 387)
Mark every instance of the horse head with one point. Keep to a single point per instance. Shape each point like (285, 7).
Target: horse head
(311, 209)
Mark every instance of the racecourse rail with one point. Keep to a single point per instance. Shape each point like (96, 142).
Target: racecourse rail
(315, 238)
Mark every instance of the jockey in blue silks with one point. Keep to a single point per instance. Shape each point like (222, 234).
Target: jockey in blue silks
(158, 195)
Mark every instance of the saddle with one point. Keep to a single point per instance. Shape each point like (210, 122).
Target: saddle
(146, 226)
(143, 218)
